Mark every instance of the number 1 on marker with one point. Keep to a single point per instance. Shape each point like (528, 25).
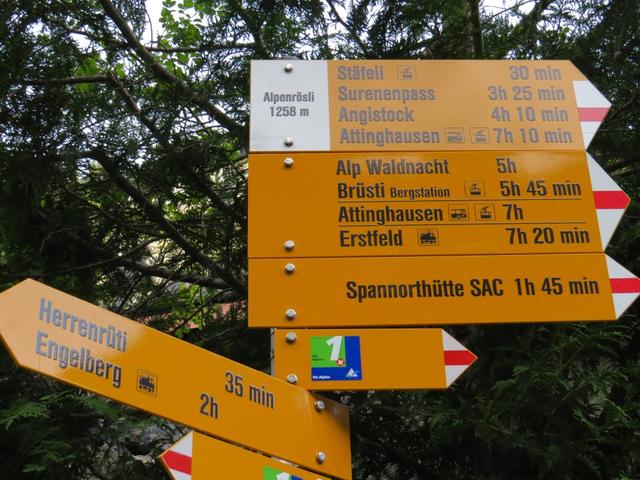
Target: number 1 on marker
(336, 345)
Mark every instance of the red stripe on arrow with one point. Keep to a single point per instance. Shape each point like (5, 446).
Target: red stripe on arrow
(592, 114)
(177, 461)
(625, 285)
(611, 199)
(458, 357)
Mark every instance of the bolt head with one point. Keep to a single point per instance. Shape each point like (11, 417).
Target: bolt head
(289, 268)
(291, 337)
(292, 378)
(321, 457)
(288, 67)
(290, 314)
(289, 245)
(288, 141)
(320, 405)
(288, 162)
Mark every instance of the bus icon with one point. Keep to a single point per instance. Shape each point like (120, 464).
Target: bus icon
(454, 135)
(474, 188)
(458, 213)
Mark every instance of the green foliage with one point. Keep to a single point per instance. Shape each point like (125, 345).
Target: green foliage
(123, 181)
(50, 431)
(21, 411)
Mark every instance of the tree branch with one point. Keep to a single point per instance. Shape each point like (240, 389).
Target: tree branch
(157, 216)
(108, 216)
(135, 109)
(148, 270)
(205, 188)
(630, 102)
(187, 319)
(528, 24)
(109, 258)
(253, 27)
(164, 141)
(625, 162)
(162, 73)
(476, 29)
(531, 19)
(354, 35)
(65, 81)
(203, 48)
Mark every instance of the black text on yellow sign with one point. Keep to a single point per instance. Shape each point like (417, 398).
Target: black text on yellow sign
(419, 105)
(395, 291)
(412, 203)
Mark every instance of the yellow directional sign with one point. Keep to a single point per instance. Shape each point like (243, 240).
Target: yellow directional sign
(198, 457)
(412, 203)
(420, 105)
(370, 359)
(66, 338)
(384, 291)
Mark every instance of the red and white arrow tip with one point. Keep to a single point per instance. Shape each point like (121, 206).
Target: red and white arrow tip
(625, 286)
(610, 201)
(178, 458)
(456, 358)
(592, 108)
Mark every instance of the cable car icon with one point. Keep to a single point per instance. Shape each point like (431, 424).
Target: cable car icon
(479, 135)
(475, 189)
(406, 72)
(485, 213)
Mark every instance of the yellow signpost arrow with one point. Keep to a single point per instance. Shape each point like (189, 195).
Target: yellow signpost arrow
(198, 457)
(422, 105)
(396, 291)
(369, 359)
(71, 340)
(422, 203)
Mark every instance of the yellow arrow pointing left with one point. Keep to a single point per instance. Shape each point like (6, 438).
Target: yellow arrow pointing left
(69, 339)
